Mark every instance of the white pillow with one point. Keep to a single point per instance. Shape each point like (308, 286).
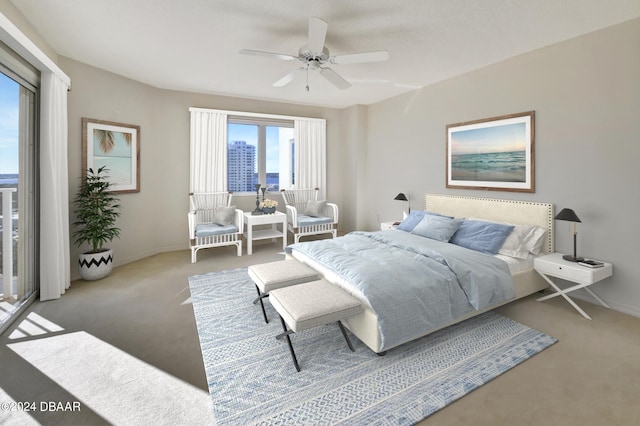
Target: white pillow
(315, 208)
(224, 215)
(524, 241)
(539, 242)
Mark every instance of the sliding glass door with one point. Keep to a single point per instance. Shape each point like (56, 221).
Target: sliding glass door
(18, 194)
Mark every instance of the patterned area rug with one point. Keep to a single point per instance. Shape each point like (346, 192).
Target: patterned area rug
(252, 379)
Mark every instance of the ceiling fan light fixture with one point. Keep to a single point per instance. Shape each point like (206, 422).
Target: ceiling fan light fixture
(305, 54)
(313, 65)
(315, 54)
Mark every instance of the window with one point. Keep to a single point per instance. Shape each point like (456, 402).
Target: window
(18, 185)
(300, 142)
(259, 151)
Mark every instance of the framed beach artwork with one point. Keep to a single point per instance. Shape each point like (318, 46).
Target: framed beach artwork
(494, 153)
(116, 146)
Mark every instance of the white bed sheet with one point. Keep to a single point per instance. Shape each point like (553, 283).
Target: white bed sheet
(517, 265)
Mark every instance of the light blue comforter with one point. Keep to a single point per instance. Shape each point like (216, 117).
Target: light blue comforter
(414, 284)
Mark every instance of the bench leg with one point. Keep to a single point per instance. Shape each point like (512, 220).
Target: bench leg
(286, 334)
(259, 299)
(344, 333)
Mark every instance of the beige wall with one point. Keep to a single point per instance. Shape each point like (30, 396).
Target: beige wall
(353, 166)
(154, 220)
(586, 95)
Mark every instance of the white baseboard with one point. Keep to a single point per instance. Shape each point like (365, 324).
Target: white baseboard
(625, 309)
(75, 275)
(616, 306)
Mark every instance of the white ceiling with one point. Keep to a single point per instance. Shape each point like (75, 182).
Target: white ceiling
(192, 45)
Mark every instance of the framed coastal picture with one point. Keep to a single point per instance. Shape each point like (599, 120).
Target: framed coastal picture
(494, 153)
(116, 146)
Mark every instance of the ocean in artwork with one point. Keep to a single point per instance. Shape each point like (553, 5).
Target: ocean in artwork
(118, 159)
(119, 169)
(490, 167)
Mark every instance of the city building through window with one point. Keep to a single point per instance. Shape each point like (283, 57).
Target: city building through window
(259, 152)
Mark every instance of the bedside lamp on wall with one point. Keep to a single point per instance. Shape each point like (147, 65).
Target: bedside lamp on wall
(571, 216)
(402, 197)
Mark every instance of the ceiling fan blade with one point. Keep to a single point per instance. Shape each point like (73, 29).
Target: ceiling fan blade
(287, 78)
(335, 78)
(359, 58)
(268, 54)
(317, 34)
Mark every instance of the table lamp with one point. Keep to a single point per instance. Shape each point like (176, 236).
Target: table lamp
(402, 197)
(571, 216)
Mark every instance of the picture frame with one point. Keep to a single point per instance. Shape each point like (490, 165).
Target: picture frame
(494, 153)
(116, 146)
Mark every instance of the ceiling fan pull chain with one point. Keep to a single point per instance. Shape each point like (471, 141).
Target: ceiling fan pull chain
(307, 78)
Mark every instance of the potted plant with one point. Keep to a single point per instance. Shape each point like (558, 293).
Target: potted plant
(96, 210)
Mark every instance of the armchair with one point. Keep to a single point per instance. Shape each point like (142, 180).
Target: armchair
(306, 215)
(213, 222)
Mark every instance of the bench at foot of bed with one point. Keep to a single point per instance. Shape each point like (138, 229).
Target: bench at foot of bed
(310, 305)
(274, 275)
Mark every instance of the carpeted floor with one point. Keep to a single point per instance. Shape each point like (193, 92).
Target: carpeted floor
(252, 379)
(120, 388)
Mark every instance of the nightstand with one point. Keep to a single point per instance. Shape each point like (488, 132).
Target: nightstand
(553, 265)
(388, 225)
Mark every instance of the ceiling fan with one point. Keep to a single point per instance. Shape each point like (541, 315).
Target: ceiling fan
(314, 55)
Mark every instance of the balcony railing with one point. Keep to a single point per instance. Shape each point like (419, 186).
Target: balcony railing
(7, 241)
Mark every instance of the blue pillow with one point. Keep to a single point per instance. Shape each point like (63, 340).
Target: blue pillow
(439, 228)
(414, 218)
(485, 237)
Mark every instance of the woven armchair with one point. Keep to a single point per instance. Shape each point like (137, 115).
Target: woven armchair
(211, 225)
(302, 220)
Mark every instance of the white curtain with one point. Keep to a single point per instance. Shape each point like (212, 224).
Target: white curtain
(208, 151)
(310, 153)
(54, 188)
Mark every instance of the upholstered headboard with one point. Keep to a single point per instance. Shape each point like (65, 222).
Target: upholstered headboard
(510, 211)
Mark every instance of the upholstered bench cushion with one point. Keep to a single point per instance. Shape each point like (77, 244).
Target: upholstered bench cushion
(304, 220)
(284, 273)
(209, 229)
(312, 304)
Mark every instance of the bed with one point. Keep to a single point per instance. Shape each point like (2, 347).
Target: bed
(411, 285)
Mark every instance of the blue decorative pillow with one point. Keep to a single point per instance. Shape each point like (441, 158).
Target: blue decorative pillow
(414, 218)
(485, 237)
(439, 228)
